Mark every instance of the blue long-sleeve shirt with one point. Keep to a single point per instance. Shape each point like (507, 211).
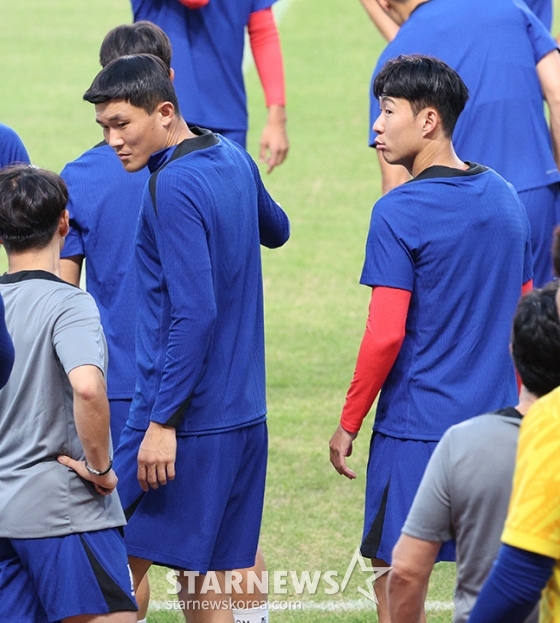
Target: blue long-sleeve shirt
(200, 334)
(6, 348)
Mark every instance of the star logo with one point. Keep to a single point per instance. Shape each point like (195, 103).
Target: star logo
(358, 560)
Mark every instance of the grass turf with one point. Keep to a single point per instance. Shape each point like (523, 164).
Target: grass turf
(315, 311)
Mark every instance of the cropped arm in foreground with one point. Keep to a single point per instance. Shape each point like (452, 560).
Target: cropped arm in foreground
(383, 338)
(513, 588)
(265, 46)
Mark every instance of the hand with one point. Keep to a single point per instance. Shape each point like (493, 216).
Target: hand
(274, 143)
(340, 447)
(103, 484)
(156, 457)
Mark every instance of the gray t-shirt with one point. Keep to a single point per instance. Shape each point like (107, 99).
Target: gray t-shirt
(55, 328)
(464, 495)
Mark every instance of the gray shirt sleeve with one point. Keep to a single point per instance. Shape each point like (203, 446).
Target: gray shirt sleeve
(78, 338)
(429, 518)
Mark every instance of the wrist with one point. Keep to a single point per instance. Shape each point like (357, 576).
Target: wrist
(97, 472)
(276, 114)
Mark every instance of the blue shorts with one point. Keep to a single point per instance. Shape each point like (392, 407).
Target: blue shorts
(394, 472)
(237, 136)
(49, 579)
(209, 516)
(543, 209)
(119, 415)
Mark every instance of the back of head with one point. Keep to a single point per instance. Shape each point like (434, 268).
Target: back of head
(536, 341)
(140, 38)
(424, 81)
(141, 80)
(32, 201)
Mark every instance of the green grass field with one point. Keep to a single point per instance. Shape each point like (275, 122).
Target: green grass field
(315, 309)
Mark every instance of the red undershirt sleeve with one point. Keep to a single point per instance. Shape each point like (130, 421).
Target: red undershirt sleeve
(265, 45)
(382, 341)
(194, 4)
(527, 287)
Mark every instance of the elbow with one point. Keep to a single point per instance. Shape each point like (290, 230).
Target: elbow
(89, 388)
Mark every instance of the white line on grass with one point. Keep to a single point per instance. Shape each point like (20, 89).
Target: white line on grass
(349, 605)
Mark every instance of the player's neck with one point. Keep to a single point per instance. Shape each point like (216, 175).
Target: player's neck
(437, 153)
(178, 132)
(526, 400)
(47, 259)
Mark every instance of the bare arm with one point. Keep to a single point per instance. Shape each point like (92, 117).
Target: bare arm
(392, 175)
(71, 269)
(91, 415)
(386, 26)
(413, 560)
(548, 70)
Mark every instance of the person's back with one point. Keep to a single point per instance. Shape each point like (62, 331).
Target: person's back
(48, 321)
(451, 222)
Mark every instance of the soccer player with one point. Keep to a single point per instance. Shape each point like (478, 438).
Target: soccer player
(208, 38)
(12, 149)
(503, 124)
(104, 203)
(446, 257)
(62, 556)
(528, 565)
(192, 458)
(465, 491)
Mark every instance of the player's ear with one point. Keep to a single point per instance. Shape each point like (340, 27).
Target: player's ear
(431, 120)
(63, 226)
(166, 111)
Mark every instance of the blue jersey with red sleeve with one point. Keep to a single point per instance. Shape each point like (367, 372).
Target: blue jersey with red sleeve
(460, 242)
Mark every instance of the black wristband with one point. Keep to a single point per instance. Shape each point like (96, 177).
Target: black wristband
(96, 472)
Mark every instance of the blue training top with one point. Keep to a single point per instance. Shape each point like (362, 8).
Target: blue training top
(200, 335)
(543, 10)
(104, 204)
(494, 46)
(208, 46)
(12, 149)
(460, 242)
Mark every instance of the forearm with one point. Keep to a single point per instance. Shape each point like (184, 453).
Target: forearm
(71, 269)
(406, 596)
(386, 26)
(91, 415)
(267, 53)
(506, 599)
(383, 337)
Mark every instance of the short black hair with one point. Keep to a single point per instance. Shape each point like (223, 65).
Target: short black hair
(424, 81)
(32, 201)
(535, 343)
(140, 79)
(140, 38)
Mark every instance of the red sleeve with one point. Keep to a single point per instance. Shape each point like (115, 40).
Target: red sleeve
(527, 287)
(382, 341)
(194, 4)
(265, 45)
